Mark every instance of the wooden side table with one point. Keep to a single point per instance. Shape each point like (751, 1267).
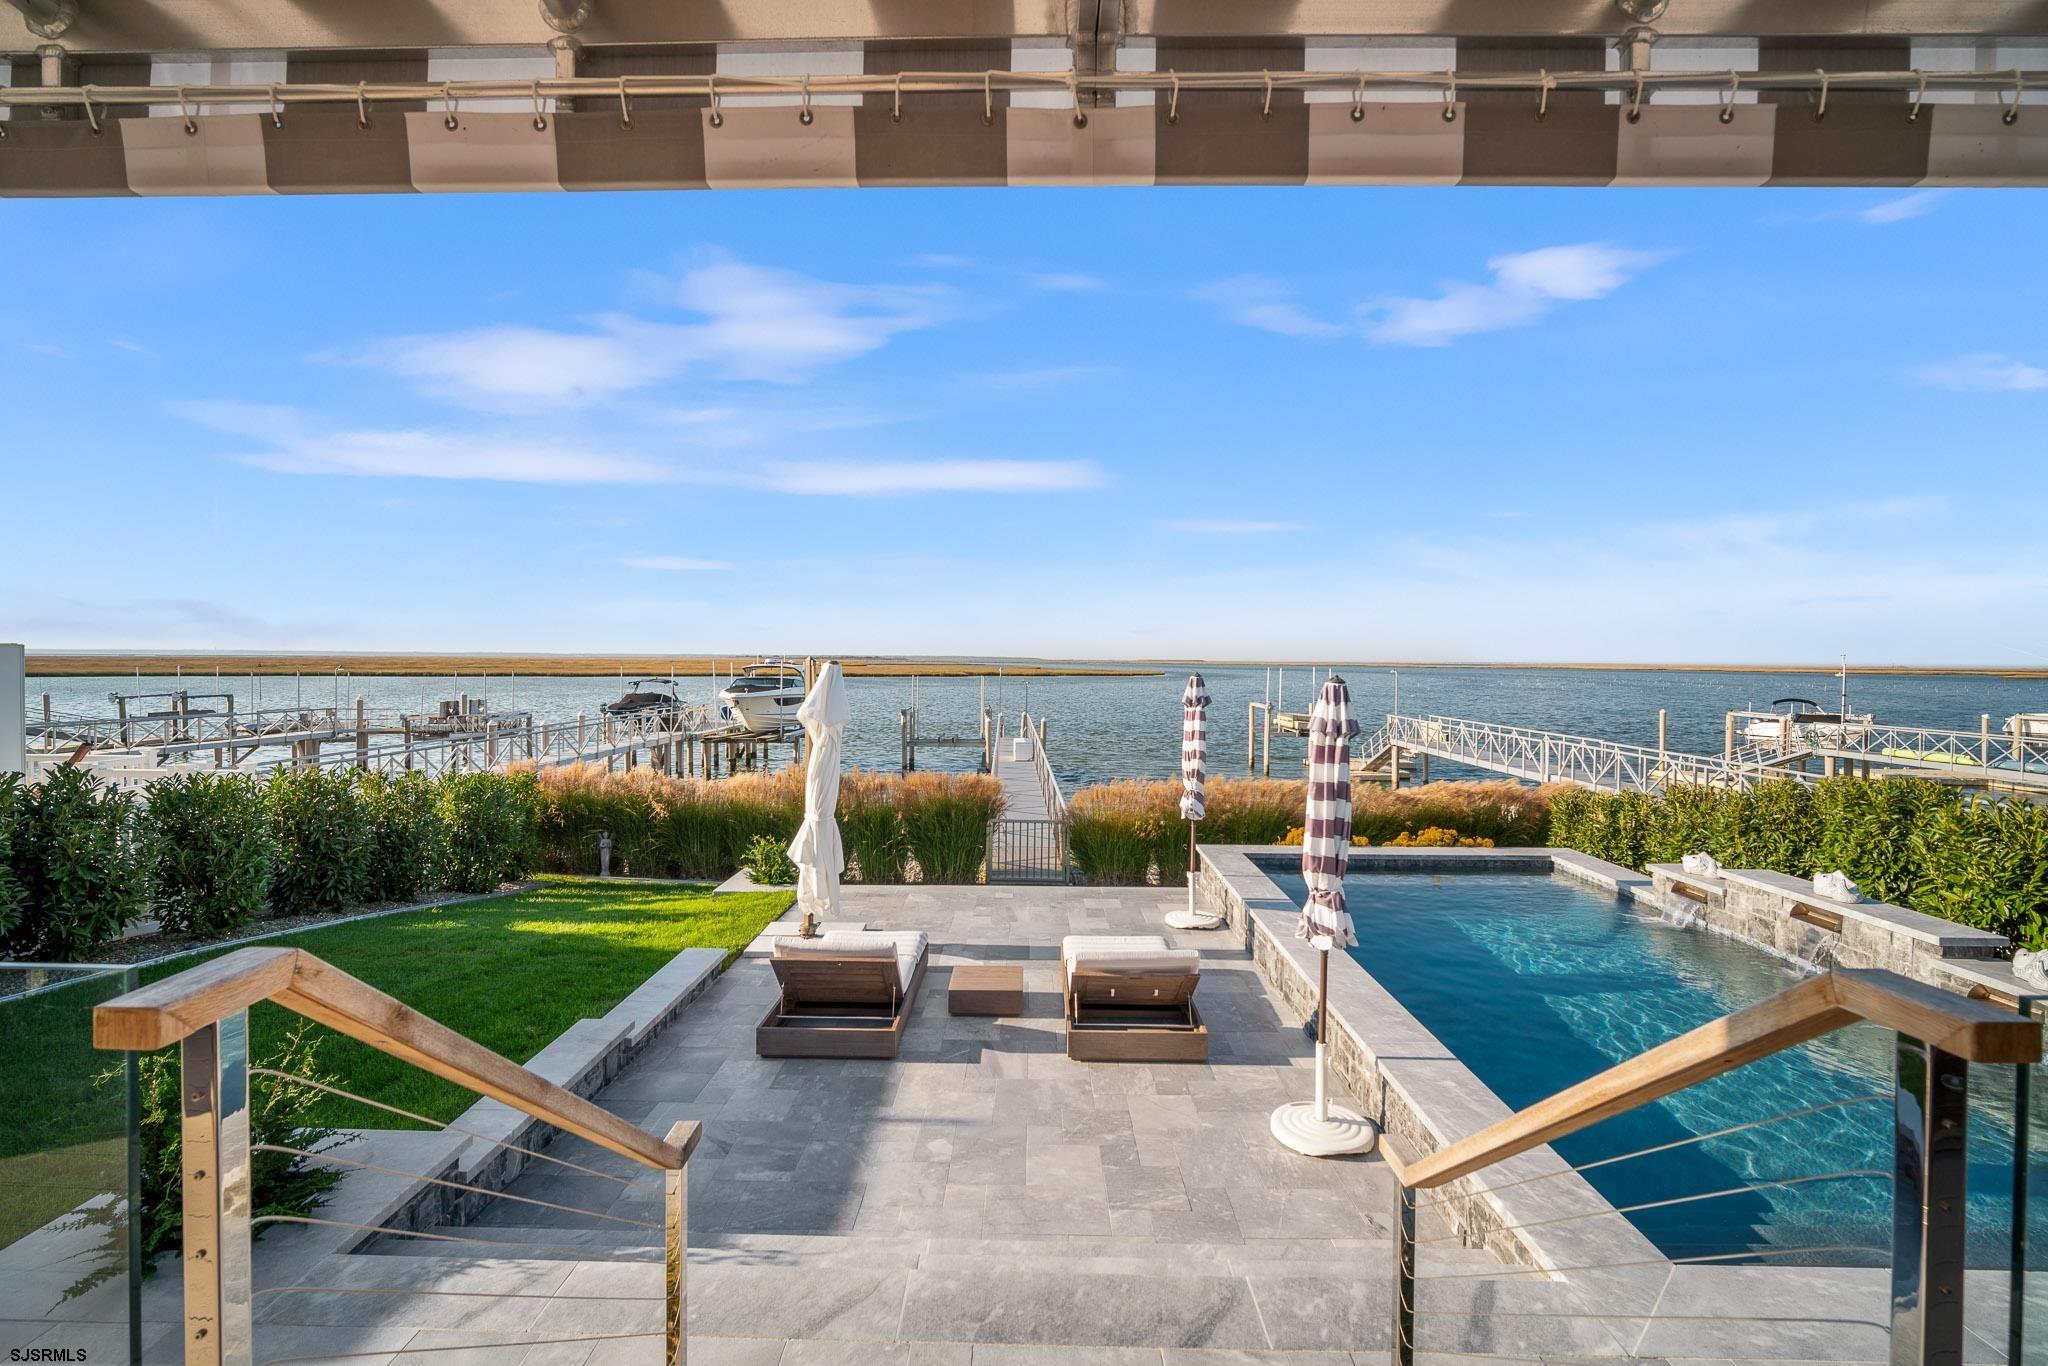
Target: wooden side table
(986, 989)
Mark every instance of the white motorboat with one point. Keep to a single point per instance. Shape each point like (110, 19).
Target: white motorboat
(764, 697)
(1801, 723)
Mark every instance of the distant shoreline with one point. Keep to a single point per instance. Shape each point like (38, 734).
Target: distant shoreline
(1830, 670)
(195, 665)
(375, 665)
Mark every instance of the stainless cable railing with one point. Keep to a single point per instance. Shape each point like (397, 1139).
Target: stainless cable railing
(204, 1010)
(1587, 1268)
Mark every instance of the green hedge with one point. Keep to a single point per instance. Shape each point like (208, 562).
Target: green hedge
(208, 853)
(1971, 859)
(78, 856)
(211, 856)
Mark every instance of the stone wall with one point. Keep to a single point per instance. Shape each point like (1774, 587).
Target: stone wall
(1782, 914)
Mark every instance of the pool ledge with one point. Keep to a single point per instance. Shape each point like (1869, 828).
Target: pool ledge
(1423, 1096)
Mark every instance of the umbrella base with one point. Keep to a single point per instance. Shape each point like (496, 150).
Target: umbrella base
(1345, 1131)
(1193, 920)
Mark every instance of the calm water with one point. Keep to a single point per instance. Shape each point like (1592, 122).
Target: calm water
(1130, 727)
(1588, 982)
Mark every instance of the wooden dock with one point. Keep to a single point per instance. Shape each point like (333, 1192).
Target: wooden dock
(1028, 842)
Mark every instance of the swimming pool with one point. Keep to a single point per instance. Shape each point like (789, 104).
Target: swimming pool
(1535, 982)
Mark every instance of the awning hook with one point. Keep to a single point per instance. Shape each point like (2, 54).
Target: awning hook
(449, 119)
(92, 120)
(988, 97)
(1074, 94)
(625, 108)
(1734, 90)
(1266, 111)
(1451, 97)
(717, 119)
(191, 124)
(1544, 82)
(1919, 96)
(276, 109)
(1358, 101)
(1635, 108)
(896, 113)
(1173, 96)
(2019, 91)
(540, 119)
(362, 104)
(1820, 111)
(804, 115)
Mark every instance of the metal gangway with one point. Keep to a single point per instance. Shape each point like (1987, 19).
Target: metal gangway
(1028, 841)
(1542, 756)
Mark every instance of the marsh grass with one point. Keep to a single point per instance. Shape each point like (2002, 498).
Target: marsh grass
(1129, 833)
(701, 828)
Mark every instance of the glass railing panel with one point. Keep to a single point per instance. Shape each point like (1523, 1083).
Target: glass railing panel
(69, 1263)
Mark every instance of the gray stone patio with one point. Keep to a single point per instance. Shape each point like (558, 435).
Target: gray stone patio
(983, 1200)
(982, 1194)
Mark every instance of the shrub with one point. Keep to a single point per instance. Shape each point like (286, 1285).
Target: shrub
(281, 1183)
(82, 877)
(945, 822)
(1975, 860)
(408, 841)
(209, 851)
(488, 829)
(1296, 836)
(13, 812)
(322, 835)
(1986, 864)
(871, 826)
(766, 860)
(1437, 837)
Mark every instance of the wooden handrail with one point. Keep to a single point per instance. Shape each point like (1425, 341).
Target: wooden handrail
(162, 1013)
(1970, 1029)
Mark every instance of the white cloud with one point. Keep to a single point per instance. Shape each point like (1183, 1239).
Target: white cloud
(1223, 526)
(674, 564)
(877, 478)
(1525, 286)
(751, 323)
(1066, 282)
(1261, 302)
(1905, 206)
(1984, 372)
(292, 446)
(1046, 377)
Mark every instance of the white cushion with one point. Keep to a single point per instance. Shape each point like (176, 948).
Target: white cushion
(1186, 962)
(837, 946)
(1089, 943)
(905, 946)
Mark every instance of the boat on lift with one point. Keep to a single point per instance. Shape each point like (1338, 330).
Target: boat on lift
(763, 698)
(645, 695)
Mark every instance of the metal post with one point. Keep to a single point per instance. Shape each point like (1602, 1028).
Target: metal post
(1728, 736)
(362, 737)
(2022, 1162)
(214, 1130)
(1404, 1276)
(675, 1256)
(1930, 1126)
(13, 726)
(1663, 731)
(1984, 730)
(1266, 745)
(1393, 767)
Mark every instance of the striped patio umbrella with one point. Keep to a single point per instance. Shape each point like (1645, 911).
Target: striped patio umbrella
(1194, 776)
(1326, 826)
(1318, 1128)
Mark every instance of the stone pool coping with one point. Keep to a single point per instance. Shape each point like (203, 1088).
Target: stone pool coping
(1424, 1097)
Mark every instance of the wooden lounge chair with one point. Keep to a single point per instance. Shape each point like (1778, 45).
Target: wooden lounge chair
(1130, 998)
(843, 995)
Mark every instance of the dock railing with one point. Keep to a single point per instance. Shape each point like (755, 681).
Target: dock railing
(205, 1011)
(1453, 1195)
(1542, 756)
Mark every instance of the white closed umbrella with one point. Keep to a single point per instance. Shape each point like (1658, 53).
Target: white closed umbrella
(817, 852)
(1317, 1128)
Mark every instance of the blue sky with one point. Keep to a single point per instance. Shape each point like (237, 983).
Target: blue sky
(1227, 423)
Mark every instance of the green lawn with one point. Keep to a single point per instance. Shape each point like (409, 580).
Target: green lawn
(511, 972)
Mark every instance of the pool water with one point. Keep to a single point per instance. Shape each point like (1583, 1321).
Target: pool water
(1536, 982)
